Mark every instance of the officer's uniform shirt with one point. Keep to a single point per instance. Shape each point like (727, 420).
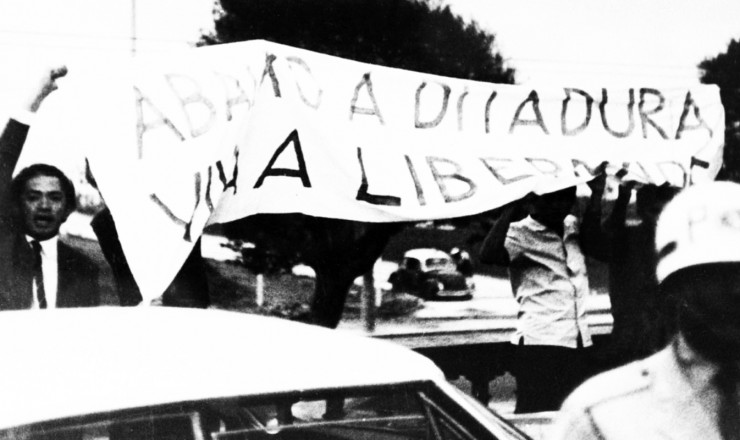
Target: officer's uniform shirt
(669, 395)
(548, 277)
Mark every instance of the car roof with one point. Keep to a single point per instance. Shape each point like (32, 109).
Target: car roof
(425, 253)
(68, 362)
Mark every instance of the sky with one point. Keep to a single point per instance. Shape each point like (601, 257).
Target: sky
(96, 32)
(568, 42)
(576, 43)
(606, 41)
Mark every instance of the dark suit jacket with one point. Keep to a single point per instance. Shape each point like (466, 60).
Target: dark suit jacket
(78, 276)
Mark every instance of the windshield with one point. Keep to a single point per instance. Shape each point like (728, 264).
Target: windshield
(439, 264)
(409, 411)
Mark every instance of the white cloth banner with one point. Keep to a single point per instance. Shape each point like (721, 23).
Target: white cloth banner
(224, 132)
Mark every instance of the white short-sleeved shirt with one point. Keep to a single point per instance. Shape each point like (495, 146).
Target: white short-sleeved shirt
(548, 277)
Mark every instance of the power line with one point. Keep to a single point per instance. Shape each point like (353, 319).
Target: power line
(86, 47)
(133, 27)
(87, 36)
(604, 64)
(632, 72)
(508, 59)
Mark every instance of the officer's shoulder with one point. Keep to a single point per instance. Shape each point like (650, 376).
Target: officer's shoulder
(621, 385)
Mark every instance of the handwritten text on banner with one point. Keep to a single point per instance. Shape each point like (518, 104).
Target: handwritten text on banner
(224, 132)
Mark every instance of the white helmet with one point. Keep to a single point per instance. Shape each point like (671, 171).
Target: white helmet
(700, 225)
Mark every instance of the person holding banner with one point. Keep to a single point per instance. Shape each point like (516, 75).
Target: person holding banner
(689, 389)
(640, 325)
(188, 289)
(38, 271)
(547, 270)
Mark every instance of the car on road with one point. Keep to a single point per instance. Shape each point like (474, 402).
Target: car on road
(187, 374)
(431, 274)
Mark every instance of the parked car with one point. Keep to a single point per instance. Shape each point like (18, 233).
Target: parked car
(431, 274)
(159, 373)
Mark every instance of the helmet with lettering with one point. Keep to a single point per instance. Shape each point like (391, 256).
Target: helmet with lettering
(701, 225)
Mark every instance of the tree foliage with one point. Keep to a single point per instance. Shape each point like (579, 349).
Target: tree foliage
(405, 34)
(722, 70)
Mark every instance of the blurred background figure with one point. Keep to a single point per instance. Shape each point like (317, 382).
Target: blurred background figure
(462, 261)
(690, 388)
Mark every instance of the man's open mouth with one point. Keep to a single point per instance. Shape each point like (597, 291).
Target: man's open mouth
(43, 220)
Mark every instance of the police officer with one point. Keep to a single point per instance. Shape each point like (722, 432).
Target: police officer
(689, 389)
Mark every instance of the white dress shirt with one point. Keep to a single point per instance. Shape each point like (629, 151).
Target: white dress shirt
(548, 277)
(50, 271)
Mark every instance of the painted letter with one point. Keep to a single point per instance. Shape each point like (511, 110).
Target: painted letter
(544, 166)
(460, 101)
(171, 215)
(592, 171)
(670, 168)
(689, 104)
(367, 82)
(234, 175)
(364, 196)
(142, 127)
(505, 164)
(301, 172)
(445, 100)
(645, 115)
(535, 100)
(230, 83)
(442, 178)
(195, 97)
(417, 183)
(270, 70)
(630, 114)
(563, 124)
(488, 110)
(317, 99)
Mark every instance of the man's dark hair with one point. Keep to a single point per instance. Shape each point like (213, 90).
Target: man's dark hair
(42, 169)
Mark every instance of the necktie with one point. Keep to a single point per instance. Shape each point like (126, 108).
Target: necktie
(729, 408)
(38, 274)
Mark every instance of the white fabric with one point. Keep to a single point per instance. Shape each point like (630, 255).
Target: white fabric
(548, 278)
(50, 271)
(304, 132)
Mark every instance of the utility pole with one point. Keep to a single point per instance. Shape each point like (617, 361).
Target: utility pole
(368, 301)
(133, 27)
